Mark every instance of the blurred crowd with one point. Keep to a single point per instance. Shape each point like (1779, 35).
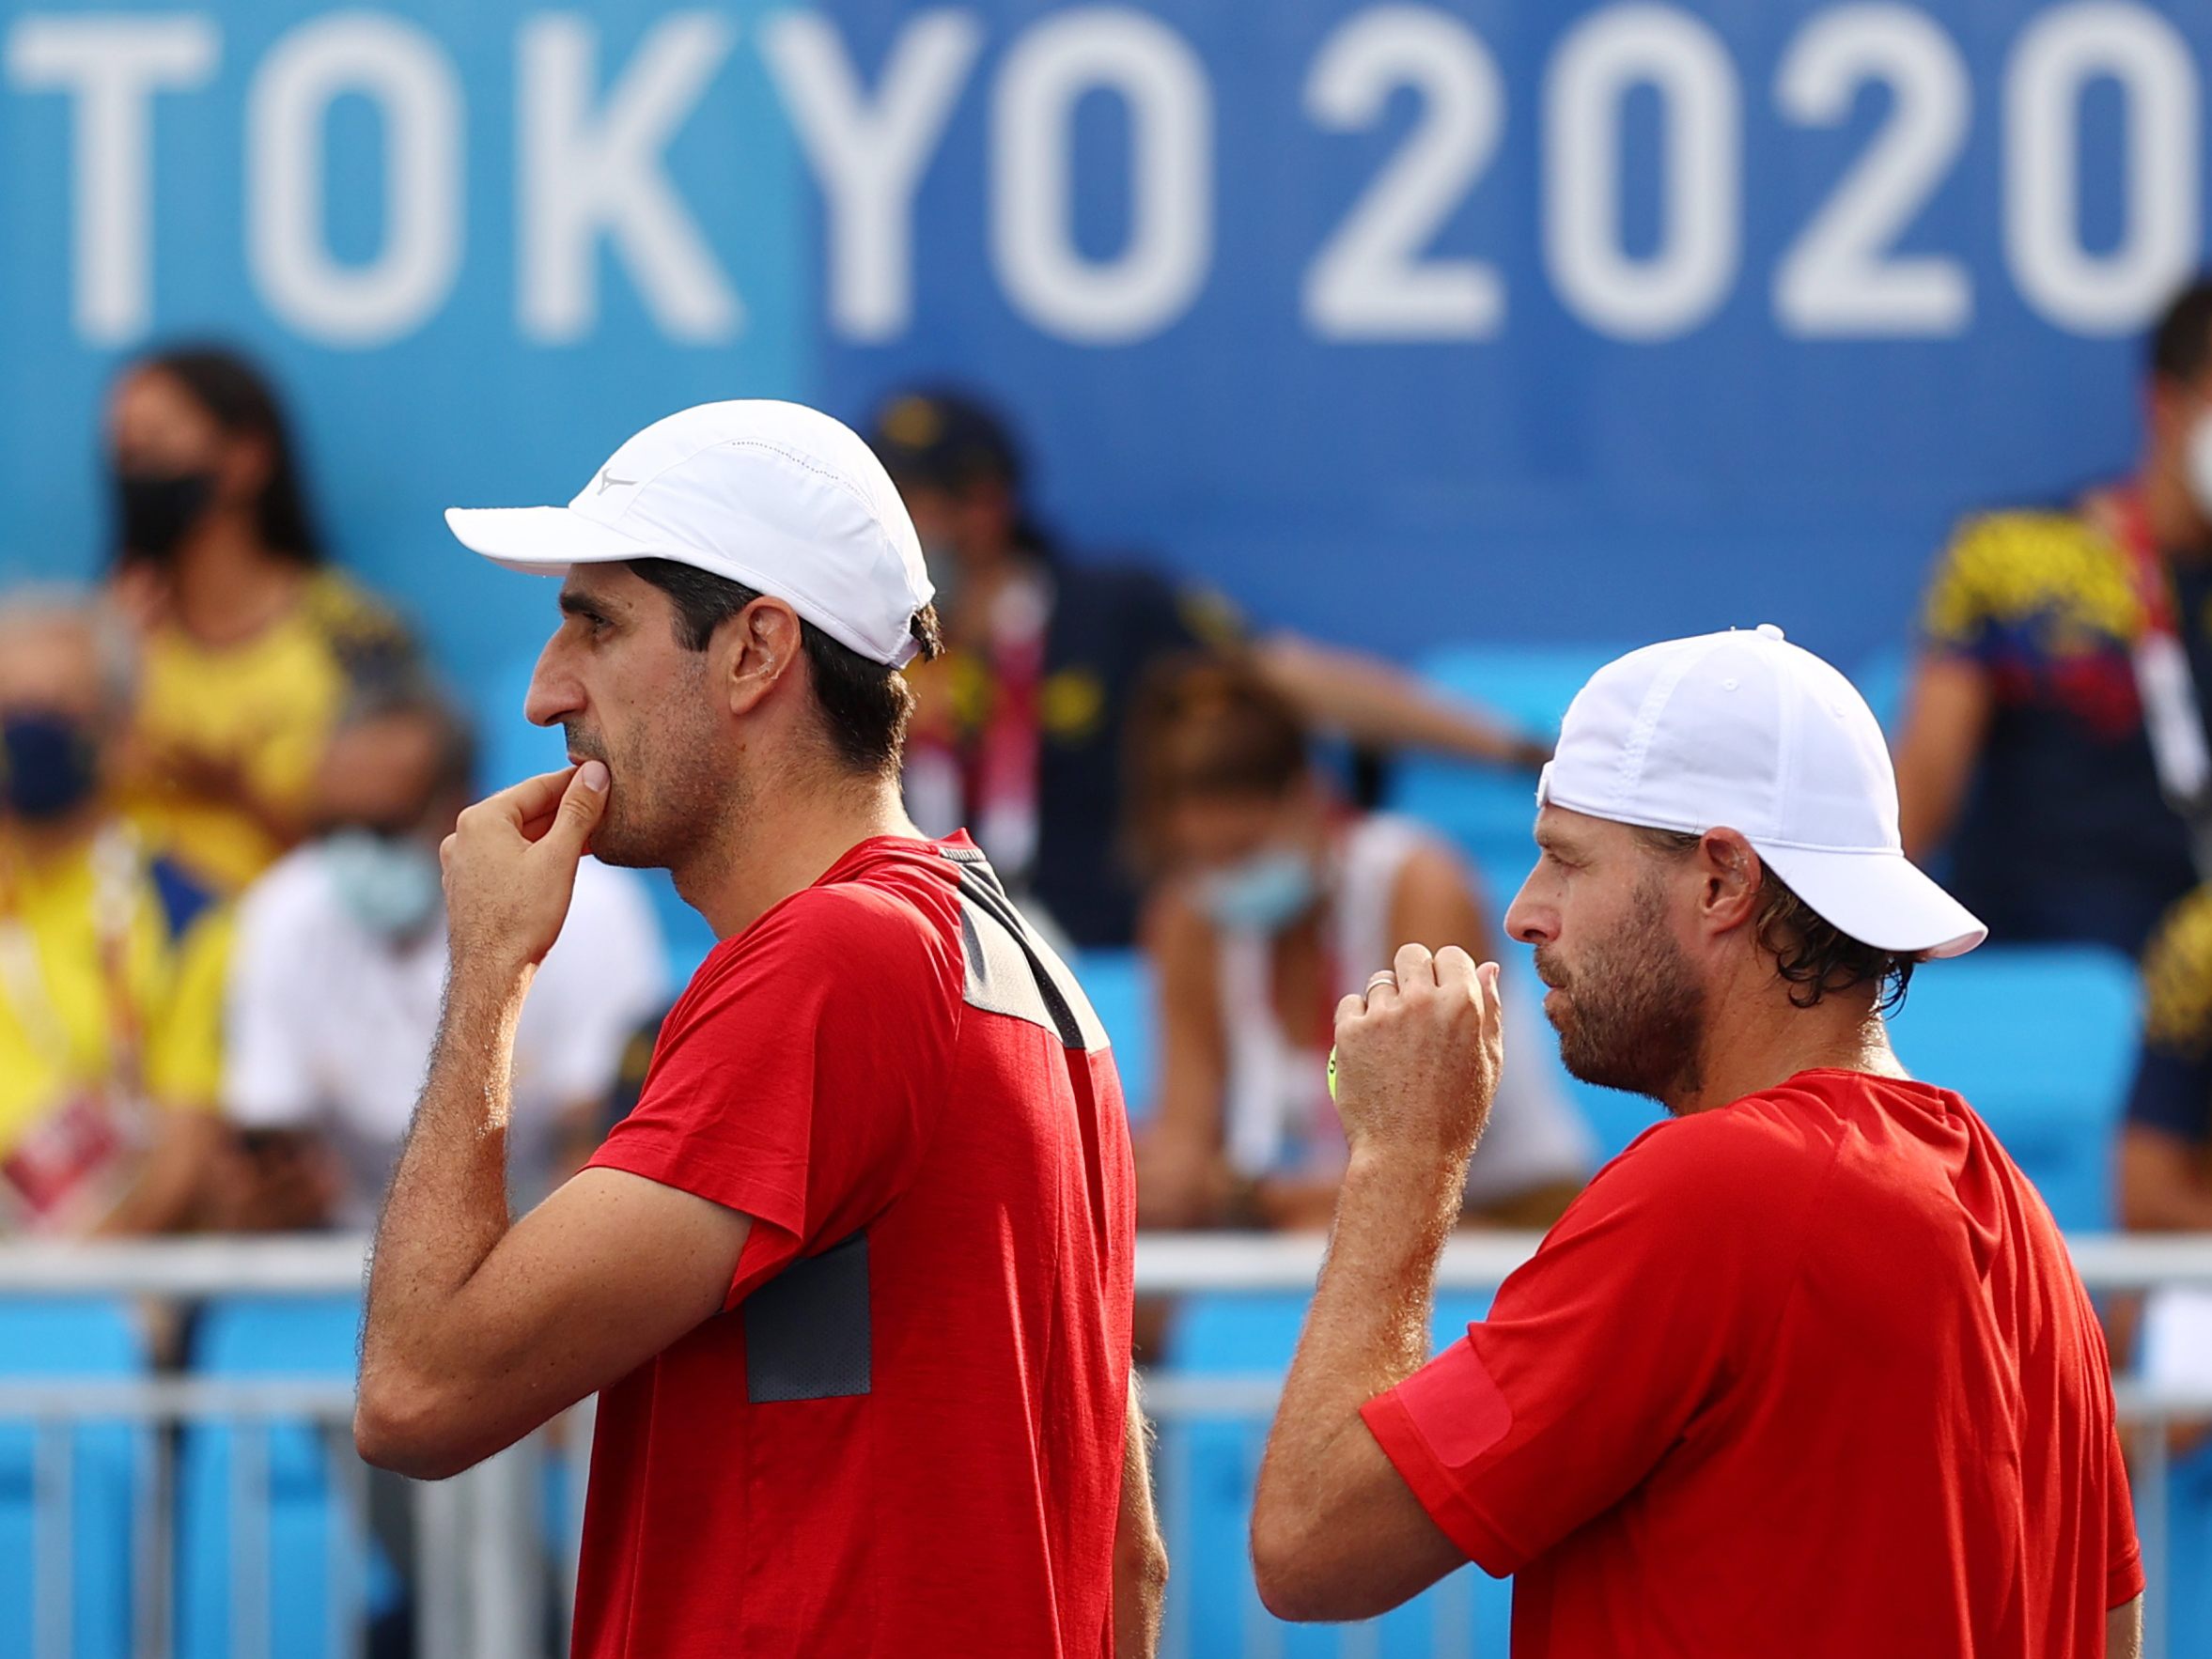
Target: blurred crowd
(224, 779)
(225, 770)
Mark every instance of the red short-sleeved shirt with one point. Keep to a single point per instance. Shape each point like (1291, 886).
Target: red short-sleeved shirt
(904, 1435)
(1810, 1375)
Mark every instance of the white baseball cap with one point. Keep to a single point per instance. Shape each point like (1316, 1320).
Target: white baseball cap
(777, 496)
(1746, 731)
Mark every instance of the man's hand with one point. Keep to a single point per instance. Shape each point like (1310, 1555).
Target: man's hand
(1336, 1533)
(1418, 1060)
(511, 866)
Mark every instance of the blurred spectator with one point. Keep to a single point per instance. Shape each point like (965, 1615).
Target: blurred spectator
(110, 963)
(341, 967)
(2165, 1180)
(1019, 735)
(1270, 903)
(2165, 1163)
(2055, 734)
(250, 647)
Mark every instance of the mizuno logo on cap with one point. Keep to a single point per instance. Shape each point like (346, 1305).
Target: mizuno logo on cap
(608, 482)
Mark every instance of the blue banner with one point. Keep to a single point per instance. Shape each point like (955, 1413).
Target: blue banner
(1403, 324)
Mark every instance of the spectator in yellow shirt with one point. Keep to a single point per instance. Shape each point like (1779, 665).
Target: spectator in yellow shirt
(250, 647)
(111, 962)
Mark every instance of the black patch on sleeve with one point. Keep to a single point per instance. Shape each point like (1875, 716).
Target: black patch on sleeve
(807, 1333)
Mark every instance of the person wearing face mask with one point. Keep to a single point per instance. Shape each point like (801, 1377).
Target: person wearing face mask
(111, 961)
(1269, 901)
(339, 964)
(251, 644)
(1019, 731)
(2054, 747)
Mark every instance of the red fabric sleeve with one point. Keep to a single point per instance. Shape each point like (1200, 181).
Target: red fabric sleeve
(797, 1077)
(2124, 1579)
(1664, 1276)
(1460, 1405)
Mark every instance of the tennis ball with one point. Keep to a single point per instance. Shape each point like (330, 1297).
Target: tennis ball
(1333, 1071)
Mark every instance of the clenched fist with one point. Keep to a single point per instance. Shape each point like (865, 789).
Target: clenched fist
(1417, 1062)
(510, 866)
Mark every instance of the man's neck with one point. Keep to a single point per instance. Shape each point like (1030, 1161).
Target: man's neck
(1767, 1041)
(769, 856)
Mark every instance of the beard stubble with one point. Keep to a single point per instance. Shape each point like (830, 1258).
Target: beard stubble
(1635, 1018)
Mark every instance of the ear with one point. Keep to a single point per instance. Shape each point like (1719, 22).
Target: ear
(758, 646)
(1728, 897)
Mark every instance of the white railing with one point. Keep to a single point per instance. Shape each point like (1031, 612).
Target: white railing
(480, 1580)
(1167, 1263)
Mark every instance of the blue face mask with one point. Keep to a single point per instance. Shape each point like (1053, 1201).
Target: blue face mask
(1263, 893)
(49, 766)
(388, 884)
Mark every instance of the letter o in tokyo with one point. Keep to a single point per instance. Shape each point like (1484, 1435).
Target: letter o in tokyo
(405, 73)
(1147, 286)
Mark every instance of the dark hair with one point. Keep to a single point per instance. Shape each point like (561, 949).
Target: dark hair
(865, 705)
(1814, 954)
(1206, 725)
(245, 405)
(2181, 344)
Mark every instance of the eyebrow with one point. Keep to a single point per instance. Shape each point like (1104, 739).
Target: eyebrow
(588, 606)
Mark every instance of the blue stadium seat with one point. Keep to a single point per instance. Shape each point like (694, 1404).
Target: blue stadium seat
(2041, 1041)
(1208, 1468)
(73, 1337)
(316, 1554)
(2188, 1590)
(1119, 984)
(1487, 811)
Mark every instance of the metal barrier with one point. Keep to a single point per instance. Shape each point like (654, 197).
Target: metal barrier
(484, 1582)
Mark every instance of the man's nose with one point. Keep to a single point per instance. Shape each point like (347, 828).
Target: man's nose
(553, 692)
(1529, 919)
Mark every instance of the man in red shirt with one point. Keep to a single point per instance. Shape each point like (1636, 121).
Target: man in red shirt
(1807, 1369)
(853, 1279)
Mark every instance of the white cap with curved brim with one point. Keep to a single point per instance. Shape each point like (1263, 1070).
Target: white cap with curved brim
(1747, 732)
(777, 496)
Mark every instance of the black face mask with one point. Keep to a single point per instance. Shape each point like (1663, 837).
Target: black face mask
(49, 766)
(155, 513)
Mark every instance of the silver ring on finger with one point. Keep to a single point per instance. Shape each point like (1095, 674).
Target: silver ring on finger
(1385, 978)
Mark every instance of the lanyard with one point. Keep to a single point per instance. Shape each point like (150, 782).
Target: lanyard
(1003, 767)
(2173, 718)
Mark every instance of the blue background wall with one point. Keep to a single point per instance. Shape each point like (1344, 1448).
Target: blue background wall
(1551, 473)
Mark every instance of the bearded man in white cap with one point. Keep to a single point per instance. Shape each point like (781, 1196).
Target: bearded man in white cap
(1807, 1369)
(853, 1279)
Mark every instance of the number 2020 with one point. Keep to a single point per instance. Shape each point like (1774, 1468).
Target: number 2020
(1842, 274)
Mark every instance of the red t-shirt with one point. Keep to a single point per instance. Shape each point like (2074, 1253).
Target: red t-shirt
(903, 1435)
(1810, 1375)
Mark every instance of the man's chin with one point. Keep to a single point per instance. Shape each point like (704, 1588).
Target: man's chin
(612, 844)
(1593, 1069)
(621, 855)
